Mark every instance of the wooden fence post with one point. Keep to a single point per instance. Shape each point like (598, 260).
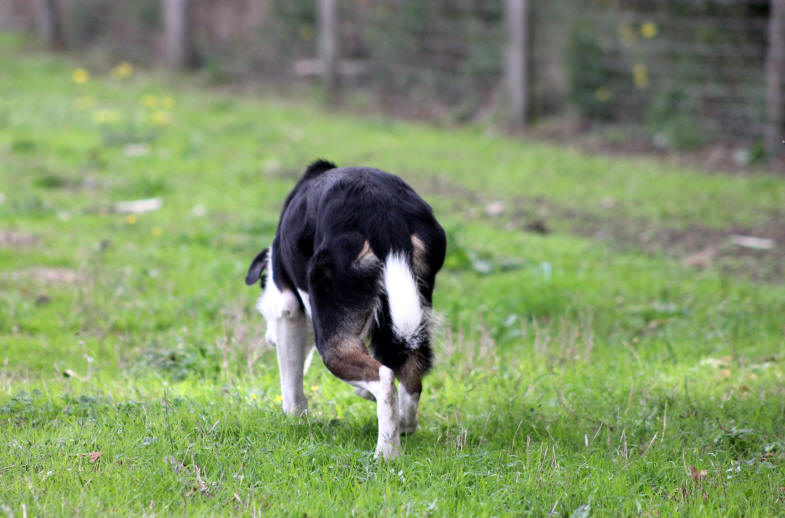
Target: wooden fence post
(775, 80)
(516, 65)
(327, 27)
(50, 23)
(177, 23)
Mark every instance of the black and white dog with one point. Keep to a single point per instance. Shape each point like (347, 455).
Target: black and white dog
(356, 253)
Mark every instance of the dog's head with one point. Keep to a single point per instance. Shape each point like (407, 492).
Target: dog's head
(256, 270)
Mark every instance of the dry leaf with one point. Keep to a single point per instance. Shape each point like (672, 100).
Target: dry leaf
(138, 206)
(495, 208)
(93, 455)
(700, 259)
(696, 475)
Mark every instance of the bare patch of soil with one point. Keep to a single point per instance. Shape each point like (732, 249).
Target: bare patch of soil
(696, 246)
(47, 275)
(14, 239)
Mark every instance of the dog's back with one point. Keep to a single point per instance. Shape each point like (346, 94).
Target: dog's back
(364, 240)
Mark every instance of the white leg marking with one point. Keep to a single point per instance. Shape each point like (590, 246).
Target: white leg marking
(292, 331)
(308, 357)
(388, 444)
(306, 301)
(407, 409)
(287, 329)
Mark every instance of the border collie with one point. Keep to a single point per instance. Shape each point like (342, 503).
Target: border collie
(356, 253)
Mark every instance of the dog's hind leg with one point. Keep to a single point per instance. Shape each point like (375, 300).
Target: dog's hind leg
(410, 375)
(343, 282)
(348, 359)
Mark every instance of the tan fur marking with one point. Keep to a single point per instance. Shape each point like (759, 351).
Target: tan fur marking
(348, 359)
(366, 254)
(418, 256)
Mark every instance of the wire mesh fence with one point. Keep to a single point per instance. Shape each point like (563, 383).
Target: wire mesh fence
(686, 73)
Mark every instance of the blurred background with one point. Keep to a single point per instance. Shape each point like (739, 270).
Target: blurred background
(703, 78)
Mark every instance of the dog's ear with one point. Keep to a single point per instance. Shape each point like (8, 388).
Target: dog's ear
(257, 267)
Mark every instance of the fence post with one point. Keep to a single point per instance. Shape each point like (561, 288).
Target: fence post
(775, 79)
(516, 65)
(177, 23)
(50, 23)
(327, 27)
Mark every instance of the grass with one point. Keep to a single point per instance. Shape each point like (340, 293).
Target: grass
(575, 376)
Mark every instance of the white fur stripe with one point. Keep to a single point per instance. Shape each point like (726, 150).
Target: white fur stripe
(402, 296)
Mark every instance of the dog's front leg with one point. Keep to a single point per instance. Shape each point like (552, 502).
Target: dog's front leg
(292, 334)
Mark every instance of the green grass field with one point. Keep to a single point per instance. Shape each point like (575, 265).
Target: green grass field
(582, 371)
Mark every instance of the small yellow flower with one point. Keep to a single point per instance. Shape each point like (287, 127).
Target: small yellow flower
(106, 116)
(130, 219)
(626, 32)
(80, 76)
(166, 102)
(602, 94)
(84, 102)
(305, 32)
(640, 75)
(649, 30)
(253, 396)
(149, 101)
(161, 117)
(123, 70)
(314, 387)
(158, 232)
(278, 399)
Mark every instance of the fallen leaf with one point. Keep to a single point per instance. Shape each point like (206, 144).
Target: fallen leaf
(696, 475)
(494, 209)
(700, 259)
(138, 206)
(756, 243)
(93, 456)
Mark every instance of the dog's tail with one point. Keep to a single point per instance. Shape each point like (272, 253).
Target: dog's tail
(407, 315)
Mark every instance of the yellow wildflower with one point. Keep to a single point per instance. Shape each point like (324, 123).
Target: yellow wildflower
(602, 94)
(84, 102)
(130, 219)
(80, 76)
(253, 396)
(314, 387)
(161, 118)
(166, 102)
(158, 232)
(123, 70)
(640, 75)
(305, 32)
(278, 399)
(149, 101)
(626, 33)
(106, 116)
(649, 30)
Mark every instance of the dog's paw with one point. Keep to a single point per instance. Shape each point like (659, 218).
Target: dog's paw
(296, 409)
(388, 449)
(408, 424)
